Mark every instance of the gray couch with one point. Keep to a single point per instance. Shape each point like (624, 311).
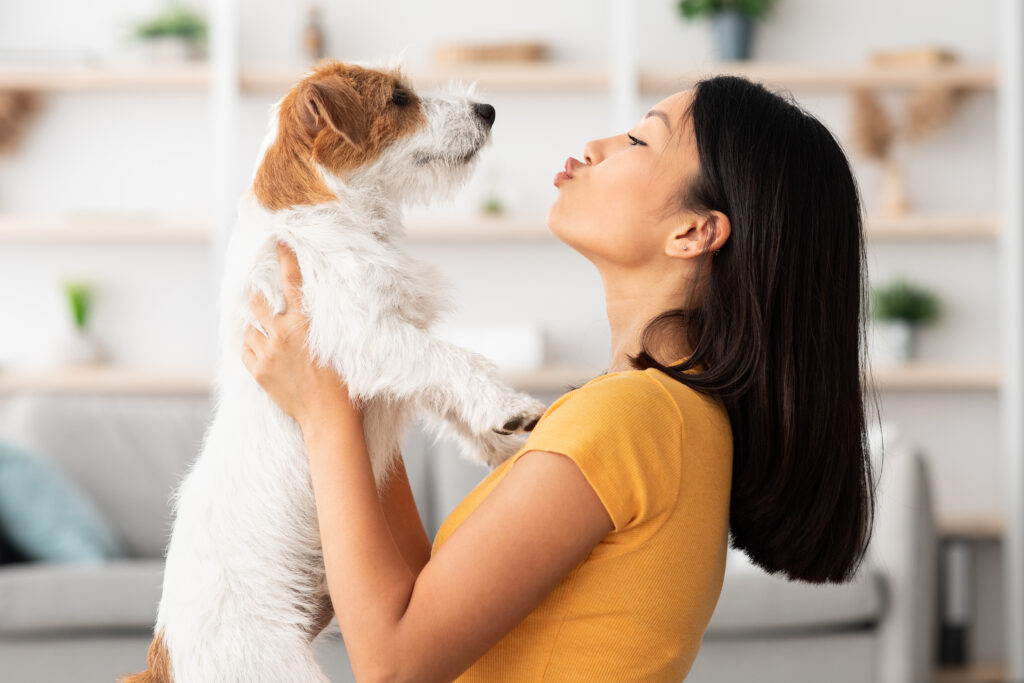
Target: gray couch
(90, 623)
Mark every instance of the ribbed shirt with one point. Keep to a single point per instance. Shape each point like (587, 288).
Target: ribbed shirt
(659, 456)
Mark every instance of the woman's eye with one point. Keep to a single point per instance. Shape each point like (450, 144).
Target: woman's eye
(633, 141)
(400, 97)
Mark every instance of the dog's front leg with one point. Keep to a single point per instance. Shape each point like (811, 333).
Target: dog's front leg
(455, 384)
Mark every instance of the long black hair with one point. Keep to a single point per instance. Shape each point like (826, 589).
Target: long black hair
(777, 332)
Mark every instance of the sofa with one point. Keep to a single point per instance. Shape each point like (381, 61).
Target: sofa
(92, 621)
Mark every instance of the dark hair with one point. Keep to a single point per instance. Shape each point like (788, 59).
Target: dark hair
(777, 332)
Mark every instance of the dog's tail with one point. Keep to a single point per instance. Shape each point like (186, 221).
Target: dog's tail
(158, 665)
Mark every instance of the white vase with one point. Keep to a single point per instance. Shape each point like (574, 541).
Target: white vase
(80, 348)
(891, 342)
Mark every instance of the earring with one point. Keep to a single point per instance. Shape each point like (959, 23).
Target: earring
(685, 248)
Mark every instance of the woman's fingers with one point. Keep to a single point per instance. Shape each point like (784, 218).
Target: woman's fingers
(260, 307)
(291, 277)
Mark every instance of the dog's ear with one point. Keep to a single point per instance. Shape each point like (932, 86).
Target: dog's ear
(332, 102)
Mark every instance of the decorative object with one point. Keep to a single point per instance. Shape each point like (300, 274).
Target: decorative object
(313, 35)
(177, 34)
(46, 516)
(80, 347)
(457, 53)
(16, 110)
(898, 309)
(926, 110)
(733, 22)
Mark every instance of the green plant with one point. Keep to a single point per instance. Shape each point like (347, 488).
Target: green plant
(80, 300)
(902, 300)
(492, 205)
(755, 9)
(178, 21)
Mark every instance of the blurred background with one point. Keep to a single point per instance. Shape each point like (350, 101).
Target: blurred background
(128, 129)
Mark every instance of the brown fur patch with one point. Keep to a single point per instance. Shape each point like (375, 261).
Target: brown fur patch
(341, 117)
(158, 665)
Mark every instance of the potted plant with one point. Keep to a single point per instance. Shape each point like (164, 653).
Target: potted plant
(898, 310)
(733, 22)
(80, 346)
(176, 34)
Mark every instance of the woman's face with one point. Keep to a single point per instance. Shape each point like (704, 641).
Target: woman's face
(611, 207)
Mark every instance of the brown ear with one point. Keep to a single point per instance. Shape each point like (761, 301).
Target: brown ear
(332, 102)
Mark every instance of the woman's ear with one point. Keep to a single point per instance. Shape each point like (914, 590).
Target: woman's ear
(690, 237)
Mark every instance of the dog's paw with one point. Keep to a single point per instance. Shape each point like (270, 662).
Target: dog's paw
(522, 412)
(495, 448)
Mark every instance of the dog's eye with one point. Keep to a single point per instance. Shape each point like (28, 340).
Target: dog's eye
(400, 97)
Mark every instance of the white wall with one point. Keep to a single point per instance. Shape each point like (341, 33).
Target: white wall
(151, 153)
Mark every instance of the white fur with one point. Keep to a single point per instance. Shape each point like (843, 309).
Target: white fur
(244, 575)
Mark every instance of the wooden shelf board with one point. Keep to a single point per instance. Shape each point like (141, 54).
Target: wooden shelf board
(927, 376)
(18, 230)
(809, 76)
(973, 528)
(538, 76)
(526, 77)
(972, 673)
(482, 229)
(150, 77)
(924, 227)
(107, 379)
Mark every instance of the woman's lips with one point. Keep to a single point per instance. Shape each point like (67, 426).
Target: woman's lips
(566, 174)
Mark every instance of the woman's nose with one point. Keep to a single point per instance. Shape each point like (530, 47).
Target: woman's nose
(590, 152)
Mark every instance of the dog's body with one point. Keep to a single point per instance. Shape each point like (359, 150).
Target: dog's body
(244, 584)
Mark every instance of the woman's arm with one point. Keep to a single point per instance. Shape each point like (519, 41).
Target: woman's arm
(538, 524)
(404, 520)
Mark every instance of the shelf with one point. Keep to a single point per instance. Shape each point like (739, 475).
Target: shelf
(468, 230)
(931, 377)
(972, 528)
(125, 380)
(974, 673)
(150, 77)
(18, 230)
(539, 77)
(105, 380)
(925, 227)
(813, 77)
(542, 76)
(482, 229)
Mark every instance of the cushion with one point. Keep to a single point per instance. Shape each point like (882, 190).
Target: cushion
(754, 602)
(119, 594)
(126, 452)
(46, 516)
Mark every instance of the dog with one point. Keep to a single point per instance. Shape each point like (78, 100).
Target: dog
(244, 584)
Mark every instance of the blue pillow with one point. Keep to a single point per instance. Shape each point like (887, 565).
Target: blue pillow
(45, 516)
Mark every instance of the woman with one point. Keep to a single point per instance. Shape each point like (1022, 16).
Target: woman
(726, 229)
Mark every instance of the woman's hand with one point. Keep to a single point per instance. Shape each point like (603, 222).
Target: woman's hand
(280, 361)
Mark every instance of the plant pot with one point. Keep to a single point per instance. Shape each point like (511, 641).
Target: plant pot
(80, 348)
(170, 49)
(733, 33)
(892, 342)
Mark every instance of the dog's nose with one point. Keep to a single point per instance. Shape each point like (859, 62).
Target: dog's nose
(486, 112)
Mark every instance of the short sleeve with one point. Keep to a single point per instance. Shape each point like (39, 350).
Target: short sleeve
(624, 431)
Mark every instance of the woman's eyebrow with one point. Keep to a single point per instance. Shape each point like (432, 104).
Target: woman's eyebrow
(660, 114)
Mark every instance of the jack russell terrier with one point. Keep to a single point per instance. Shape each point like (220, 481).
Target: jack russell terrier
(244, 583)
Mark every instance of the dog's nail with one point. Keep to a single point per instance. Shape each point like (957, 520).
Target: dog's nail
(531, 424)
(501, 432)
(512, 424)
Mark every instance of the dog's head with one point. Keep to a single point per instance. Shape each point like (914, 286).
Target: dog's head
(347, 125)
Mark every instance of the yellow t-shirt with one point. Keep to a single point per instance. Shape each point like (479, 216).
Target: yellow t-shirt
(659, 456)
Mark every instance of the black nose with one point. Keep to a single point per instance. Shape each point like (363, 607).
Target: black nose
(486, 112)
